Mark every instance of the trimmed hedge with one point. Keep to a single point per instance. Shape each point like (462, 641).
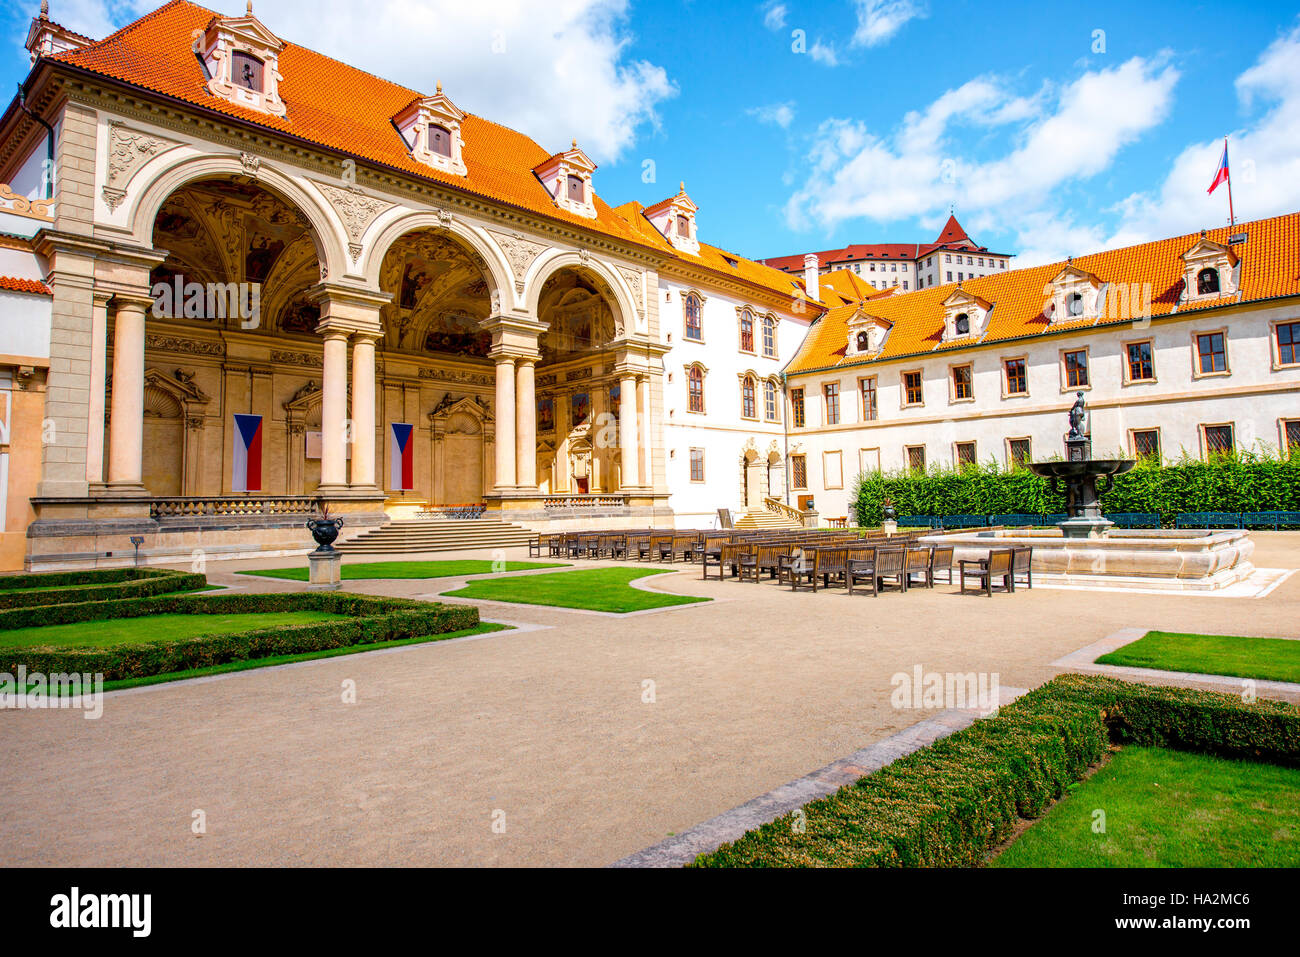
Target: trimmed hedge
(1248, 482)
(947, 804)
(369, 620)
(95, 585)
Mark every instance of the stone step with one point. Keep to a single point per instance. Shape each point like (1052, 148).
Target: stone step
(437, 535)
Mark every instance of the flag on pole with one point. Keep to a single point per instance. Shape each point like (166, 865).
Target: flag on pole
(1221, 174)
(402, 457)
(246, 473)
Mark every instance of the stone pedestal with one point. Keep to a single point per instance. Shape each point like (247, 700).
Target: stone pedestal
(890, 528)
(325, 570)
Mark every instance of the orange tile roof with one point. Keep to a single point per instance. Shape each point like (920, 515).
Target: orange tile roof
(334, 106)
(1270, 268)
(33, 286)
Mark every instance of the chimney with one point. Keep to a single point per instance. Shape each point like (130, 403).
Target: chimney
(810, 269)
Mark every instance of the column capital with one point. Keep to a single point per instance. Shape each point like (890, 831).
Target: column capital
(349, 308)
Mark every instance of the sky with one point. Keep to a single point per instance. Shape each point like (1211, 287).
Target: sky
(1050, 130)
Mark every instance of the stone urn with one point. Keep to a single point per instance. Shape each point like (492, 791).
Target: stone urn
(324, 530)
(887, 511)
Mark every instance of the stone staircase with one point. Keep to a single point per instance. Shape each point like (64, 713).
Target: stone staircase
(437, 535)
(763, 518)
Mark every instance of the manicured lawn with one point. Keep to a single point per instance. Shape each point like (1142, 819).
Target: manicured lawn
(447, 569)
(1270, 659)
(595, 589)
(148, 628)
(1170, 809)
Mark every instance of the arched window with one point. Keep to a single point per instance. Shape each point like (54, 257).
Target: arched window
(1207, 281)
(1075, 304)
(864, 342)
(693, 330)
(769, 336)
(577, 189)
(962, 324)
(439, 140)
(769, 400)
(747, 398)
(246, 71)
(695, 386)
(746, 331)
(683, 226)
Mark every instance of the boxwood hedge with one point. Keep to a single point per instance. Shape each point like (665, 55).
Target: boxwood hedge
(368, 620)
(947, 804)
(94, 585)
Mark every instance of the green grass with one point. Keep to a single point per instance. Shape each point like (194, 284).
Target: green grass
(1169, 809)
(150, 628)
(446, 569)
(595, 589)
(1269, 659)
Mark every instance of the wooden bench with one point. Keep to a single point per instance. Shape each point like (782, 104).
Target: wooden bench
(997, 567)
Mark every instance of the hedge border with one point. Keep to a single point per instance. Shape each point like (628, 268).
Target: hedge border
(95, 585)
(947, 804)
(369, 620)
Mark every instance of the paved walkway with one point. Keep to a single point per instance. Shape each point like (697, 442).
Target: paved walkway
(546, 731)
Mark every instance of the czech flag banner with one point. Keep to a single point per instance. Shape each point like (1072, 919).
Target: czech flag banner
(1220, 174)
(401, 459)
(246, 474)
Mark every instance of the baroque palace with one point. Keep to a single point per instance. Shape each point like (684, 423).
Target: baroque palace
(240, 280)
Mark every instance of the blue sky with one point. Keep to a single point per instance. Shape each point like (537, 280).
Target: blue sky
(1046, 142)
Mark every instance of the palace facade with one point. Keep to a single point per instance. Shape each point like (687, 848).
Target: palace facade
(240, 280)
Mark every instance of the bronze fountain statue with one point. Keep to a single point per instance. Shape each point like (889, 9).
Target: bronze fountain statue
(1082, 474)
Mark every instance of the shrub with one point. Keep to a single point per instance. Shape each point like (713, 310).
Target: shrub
(947, 804)
(369, 620)
(1248, 482)
(94, 585)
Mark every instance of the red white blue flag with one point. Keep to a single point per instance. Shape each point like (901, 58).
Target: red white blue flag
(246, 474)
(1220, 174)
(402, 457)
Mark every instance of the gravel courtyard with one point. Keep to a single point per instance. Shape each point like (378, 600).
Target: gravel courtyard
(537, 746)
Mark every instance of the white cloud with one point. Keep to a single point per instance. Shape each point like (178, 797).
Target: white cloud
(1054, 139)
(824, 53)
(878, 20)
(553, 71)
(774, 114)
(774, 14)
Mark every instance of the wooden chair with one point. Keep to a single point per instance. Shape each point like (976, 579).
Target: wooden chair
(661, 547)
(996, 568)
(862, 568)
(941, 561)
(891, 564)
(536, 545)
(1022, 564)
(733, 556)
(917, 562)
(768, 558)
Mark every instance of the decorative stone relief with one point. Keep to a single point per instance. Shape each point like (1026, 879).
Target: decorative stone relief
(356, 209)
(634, 281)
(128, 150)
(520, 253)
(458, 375)
(296, 358)
(196, 347)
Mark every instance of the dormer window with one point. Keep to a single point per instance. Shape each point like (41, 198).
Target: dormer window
(567, 177)
(962, 324)
(241, 58)
(1074, 304)
(964, 314)
(675, 219)
(1076, 294)
(1210, 270)
(431, 128)
(866, 334)
(864, 342)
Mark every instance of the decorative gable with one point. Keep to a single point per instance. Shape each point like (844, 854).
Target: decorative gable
(431, 129)
(965, 315)
(241, 58)
(46, 38)
(866, 334)
(567, 177)
(1075, 294)
(1210, 271)
(675, 219)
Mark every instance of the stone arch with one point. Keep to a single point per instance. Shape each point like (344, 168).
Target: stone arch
(175, 174)
(607, 280)
(482, 250)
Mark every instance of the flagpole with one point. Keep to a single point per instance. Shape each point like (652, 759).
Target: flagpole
(1232, 216)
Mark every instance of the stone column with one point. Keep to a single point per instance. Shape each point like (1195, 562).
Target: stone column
(643, 404)
(126, 427)
(98, 368)
(505, 424)
(363, 410)
(630, 463)
(526, 426)
(333, 413)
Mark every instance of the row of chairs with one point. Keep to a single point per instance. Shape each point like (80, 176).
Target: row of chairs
(1272, 519)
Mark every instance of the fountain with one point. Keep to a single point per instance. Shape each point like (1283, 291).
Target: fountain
(1081, 472)
(1087, 550)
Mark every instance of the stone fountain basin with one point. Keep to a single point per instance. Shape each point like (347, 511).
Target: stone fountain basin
(1064, 470)
(1172, 559)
